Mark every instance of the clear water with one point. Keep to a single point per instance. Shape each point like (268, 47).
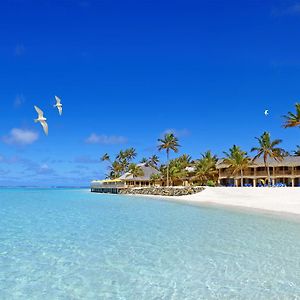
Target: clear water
(71, 244)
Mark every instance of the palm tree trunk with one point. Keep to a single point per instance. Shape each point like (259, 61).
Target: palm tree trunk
(268, 172)
(242, 178)
(167, 167)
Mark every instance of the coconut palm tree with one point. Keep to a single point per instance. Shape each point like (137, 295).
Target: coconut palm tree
(116, 170)
(175, 169)
(205, 168)
(105, 157)
(268, 149)
(154, 178)
(292, 119)
(144, 160)
(169, 142)
(130, 154)
(297, 151)
(208, 156)
(135, 170)
(185, 160)
(153, 161)
(238, 161)
(121, 155)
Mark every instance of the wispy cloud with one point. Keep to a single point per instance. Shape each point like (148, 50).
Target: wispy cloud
(293, 9)
(43, 169)
(177, 132)
(19, 50)
(18, 136)
(19, 101)
(105, 139)
(34, 168)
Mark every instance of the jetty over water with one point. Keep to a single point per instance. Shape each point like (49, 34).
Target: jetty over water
(111, 186)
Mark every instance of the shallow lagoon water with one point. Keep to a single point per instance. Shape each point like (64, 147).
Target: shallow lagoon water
(72, 244)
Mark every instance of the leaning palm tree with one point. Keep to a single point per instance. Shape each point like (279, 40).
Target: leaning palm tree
(105, 157)
(169, 142)
(268, 149)
(292, 119)
(237, 161)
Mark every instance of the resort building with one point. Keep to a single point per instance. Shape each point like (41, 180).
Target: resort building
(285, 172)
(125, 181)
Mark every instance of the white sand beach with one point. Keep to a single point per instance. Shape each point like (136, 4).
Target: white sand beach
(279, 200)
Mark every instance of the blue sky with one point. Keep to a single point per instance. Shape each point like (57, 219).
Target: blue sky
(127, 71)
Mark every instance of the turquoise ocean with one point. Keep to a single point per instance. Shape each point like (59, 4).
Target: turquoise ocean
(72, 244)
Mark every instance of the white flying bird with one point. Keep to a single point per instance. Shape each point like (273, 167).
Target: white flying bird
(266, 112)
(41, 119)
(58, 105)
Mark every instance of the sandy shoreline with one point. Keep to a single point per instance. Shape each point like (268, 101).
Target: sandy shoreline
(279, 201)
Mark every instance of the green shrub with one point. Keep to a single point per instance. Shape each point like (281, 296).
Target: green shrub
(210, 183)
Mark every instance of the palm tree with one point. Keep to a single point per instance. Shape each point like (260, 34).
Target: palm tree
(267, 149)
(237, 160)
(144, 160)
(130, 154)
(135, 170)
(175, 170)
(205, 168)
(153, 161)
(185, 160)
(121, 155)
(297, 151)
(292, 119)
(169, 142)
(105, 157)
(116, 170)
(154, 178)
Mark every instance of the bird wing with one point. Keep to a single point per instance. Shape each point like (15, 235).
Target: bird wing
(57, 100)
(60, 110)
(45, 126)
(39, 111)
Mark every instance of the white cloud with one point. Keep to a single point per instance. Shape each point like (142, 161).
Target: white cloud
(105, 139)
(43, 169)
(19, 136)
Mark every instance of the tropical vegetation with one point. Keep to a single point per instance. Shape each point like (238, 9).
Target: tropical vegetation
(237, 161)
(268, 149)
(292, 119)
(168, 142)
(184, 169)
